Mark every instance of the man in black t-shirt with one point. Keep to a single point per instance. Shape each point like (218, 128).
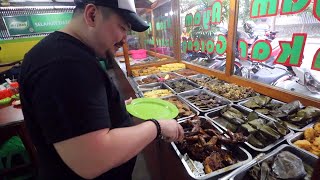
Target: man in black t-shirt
(75, 115)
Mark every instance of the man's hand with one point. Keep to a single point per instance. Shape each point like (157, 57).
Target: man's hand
(128, 101)
(171, 130)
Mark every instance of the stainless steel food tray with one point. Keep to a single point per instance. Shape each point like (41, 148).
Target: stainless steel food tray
(290, 125)
(196, 113)
(306, 158)
(222, 125)
(195, 86)
(177, 71)
(198, 91)
(199, 76)
(299, 136)
(233, 101)
(178, 75)
(142, 77)
(143, 88)
(243, 156)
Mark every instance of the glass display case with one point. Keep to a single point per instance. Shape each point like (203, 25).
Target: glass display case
(271, 48)
(281, 45)
(156, 44)
(204, 32)
(164, 30)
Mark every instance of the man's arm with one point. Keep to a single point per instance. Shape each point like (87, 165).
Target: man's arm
(93, 154)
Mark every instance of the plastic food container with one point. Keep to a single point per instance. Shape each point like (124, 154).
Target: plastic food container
(139, 54)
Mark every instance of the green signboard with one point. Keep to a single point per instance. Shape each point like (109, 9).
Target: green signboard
(36, 23)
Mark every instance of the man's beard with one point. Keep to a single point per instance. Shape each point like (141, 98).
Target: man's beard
(109, 55)
(109, 58)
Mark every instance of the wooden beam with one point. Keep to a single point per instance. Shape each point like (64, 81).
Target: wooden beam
(126, 59)
(159, 3)
(176, 28)
(143, 4)
(153, 25)
(151, 53)
(150, 64)
(231, 40)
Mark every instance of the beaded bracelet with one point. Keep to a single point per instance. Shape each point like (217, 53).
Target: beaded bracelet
(158, 128)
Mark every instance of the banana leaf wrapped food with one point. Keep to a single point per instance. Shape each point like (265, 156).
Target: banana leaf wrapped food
(262, 102)
(284, 165)
(294, 114)
(260, 132)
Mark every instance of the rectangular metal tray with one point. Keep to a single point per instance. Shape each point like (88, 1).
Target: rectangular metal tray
(184, 75)
(299, 136)
(306, 158)
(222, 125)
(243, 155)
(178, 75)
(155, 86)
(196, 113)
(195, 86)
(142, 77)
(290, 125)
(198, 91)
(199, 76)
(233, 101)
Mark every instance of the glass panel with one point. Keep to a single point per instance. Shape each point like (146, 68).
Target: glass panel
(141, 42)
(278, 43)
(204, 26)
(164, 30)
(144, 39)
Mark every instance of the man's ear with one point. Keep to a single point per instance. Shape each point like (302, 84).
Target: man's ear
(89, 14)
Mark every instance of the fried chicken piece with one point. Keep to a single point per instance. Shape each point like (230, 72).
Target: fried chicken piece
(197, 152)
(309, 134)
(213, 140)
(317, 153)
(304, 144)
(202, 141)
(315, 148)
(316, 127)
(227, 158)
(316, 142)
(213, 162)
(194, 138)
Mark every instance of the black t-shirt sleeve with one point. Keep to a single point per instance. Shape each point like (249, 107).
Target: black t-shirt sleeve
(71, 100)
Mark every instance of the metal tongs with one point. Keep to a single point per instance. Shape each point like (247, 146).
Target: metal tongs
(244, 167)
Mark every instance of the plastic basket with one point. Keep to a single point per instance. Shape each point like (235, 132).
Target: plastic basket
(139, 54)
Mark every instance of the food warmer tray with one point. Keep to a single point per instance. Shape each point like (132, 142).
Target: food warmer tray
(290, 125)
(306, 158)
(196, 113)
(243, 155)
(220, 123)
(198, 91)
(299, 136)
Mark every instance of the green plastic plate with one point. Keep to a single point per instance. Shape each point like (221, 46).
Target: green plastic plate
(152, 108)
